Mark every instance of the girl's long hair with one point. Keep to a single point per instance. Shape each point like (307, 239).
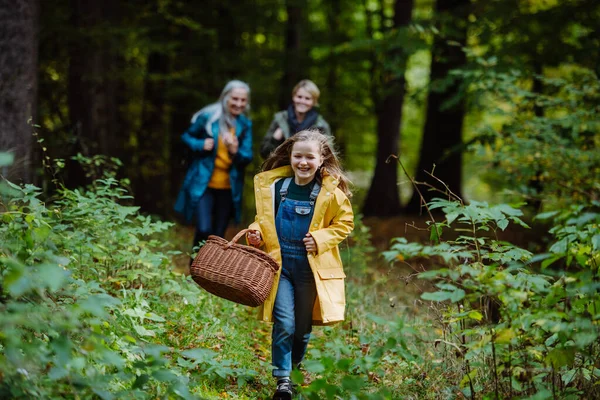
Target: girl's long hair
(219, 111)
(331, 163)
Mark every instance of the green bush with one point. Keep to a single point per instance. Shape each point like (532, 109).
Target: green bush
(88, 301)
(517, 327)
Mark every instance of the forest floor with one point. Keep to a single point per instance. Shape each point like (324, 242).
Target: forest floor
(381, 290)
(389, 292)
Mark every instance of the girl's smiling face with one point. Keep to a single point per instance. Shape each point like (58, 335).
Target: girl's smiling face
(305, 160)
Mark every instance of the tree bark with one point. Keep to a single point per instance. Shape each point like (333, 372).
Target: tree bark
(441, 148)
(383, 198)
(295, 57)
(19, 24)
(153, 156)
(92, 84)
(333, 110)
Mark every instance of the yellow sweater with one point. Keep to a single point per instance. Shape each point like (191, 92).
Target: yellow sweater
(220, 176)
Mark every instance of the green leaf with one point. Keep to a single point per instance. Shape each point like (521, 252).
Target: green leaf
(57, 373)
(113, 358)
(542, 394)
(546, 215)
(140, 381)
(103, 394)
(504, 336)
(502, 224)
(164, 375)
(437, 296)
(143, 331)
(62, 347)
(435, 234)
(16, 269)
(476, 315)
(457, 295)
(96, 304)
(314, 366)
(561, 357)
(352, 384)
(199, 354)
(6, 159)
(52, 276)
(550, 260)
(432, 274)
(560, 247)
(451, 217)
(154, 317)
(596, 242)
(568, 376)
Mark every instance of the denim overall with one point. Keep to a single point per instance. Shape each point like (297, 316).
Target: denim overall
(296, 294)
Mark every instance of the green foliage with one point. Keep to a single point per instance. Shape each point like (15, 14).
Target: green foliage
(84, 282)
(348, 370)
(545, 150)
(357, 251)
(519, 330)
(577, 234)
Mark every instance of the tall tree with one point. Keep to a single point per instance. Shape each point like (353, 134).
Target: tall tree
(18, 83)
(91, 82)
(151, 160)
(333, 109)
(383, 198)
(442, 137)
(295, 54)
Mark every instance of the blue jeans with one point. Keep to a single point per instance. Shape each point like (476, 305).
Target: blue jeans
(292, 314)
(213, 213)
(296, 293)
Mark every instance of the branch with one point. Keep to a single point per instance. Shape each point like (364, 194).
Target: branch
(412, 181)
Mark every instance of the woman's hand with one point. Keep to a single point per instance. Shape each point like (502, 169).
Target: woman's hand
(310, 244)
(278, 134)
(232, 144)
(254, 238)
(209, 144)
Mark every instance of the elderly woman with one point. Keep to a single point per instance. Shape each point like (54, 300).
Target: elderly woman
(220, 140)
(300, 115)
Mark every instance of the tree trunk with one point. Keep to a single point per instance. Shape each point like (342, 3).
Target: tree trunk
(442, 138)
(151, 190)
(18, 84)
(92, 84)
(295, 59)
(332, 110)
(383, 198)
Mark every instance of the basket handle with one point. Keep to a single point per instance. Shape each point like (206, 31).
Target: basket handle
(237, 237)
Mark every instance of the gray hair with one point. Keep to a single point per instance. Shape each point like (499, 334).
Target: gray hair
(219, 111)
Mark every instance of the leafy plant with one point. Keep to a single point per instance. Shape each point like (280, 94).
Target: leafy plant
(83, 284)
(518, 330)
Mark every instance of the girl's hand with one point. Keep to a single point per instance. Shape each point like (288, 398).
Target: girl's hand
(254, 238)
(309, 243)
(278, 134)
(209, 144)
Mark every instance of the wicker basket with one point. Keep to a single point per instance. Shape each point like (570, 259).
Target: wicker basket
(242, 274)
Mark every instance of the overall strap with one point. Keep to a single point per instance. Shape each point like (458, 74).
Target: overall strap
(284, 188)
(314, 193)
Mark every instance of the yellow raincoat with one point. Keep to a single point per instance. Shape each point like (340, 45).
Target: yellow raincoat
(331, 223)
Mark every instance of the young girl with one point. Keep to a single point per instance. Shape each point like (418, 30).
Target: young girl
(303, 213)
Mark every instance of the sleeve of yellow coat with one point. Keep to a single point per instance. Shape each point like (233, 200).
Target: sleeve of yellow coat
(339, 228)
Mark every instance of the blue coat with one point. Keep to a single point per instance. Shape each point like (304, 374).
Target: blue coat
(203, 162)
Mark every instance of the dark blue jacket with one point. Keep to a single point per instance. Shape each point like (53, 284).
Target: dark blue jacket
(203, 162)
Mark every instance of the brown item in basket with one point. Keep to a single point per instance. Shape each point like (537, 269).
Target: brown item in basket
(242, 274)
